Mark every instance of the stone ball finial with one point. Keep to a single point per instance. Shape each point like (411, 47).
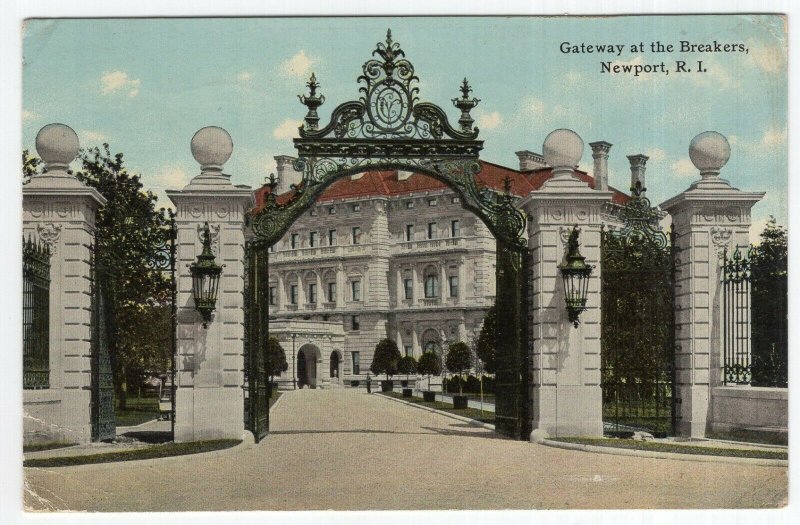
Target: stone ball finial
(709, 151)
(57, 145)
(212, 147)
(562, 148)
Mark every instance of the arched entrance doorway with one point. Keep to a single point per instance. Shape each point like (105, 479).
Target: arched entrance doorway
(335, 367)
(308, 357)
(388, 128)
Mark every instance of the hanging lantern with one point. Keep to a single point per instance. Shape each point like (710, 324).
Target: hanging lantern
(575, 274)
(205, 279)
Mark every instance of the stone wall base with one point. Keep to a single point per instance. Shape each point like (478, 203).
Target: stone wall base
(209, 413)
(750, 413)
(568, 410)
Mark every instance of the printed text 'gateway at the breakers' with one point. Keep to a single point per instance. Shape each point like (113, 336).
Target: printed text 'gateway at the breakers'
(691, 59)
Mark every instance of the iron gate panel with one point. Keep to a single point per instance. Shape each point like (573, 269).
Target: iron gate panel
(256, 387)
(638, 322)
(35, 315)
(103, 417)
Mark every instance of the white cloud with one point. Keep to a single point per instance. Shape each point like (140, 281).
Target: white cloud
(490, 120)
(288, 129)
(536, 108)
(774, 137)
(684, 168)
(298, 65)
(119, 82)
(88, 136)
(244, 76)
(171, 177)
(768, 58)
(656, 154)
(30, 116)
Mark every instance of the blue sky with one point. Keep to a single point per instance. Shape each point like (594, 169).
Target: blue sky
(146, 85)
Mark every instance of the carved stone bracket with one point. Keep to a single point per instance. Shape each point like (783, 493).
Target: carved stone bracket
(721, 237)
(49, 233)
(214, 230)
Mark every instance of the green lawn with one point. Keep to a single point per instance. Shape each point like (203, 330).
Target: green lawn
(138, 410)
(156, 451)
(46, 446)
(274, 399)
(676, 448)
(472, 413)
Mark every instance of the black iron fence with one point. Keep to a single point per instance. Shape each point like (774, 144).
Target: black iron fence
(35, 314)
(736, 362)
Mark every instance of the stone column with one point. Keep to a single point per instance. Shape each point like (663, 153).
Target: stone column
(443, 286)
(59, 211)
(341, 282)
(281, 290)
(415, 340)
(565, 387)
(209, 400)
(707, 218)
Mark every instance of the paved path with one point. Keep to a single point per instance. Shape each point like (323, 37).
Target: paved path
(344, 449)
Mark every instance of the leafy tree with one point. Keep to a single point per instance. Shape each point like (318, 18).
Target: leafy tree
(769, 296)
(385, 359)
(485, 346)
(429, 365)
(129, 228)
(276, 359)
(458, 360)
(406, 365)
(31, 165)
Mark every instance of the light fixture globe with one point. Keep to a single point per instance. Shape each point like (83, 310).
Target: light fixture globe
(709, 152)
(205, 279)
(212, 147)
(57, 145)
(562, 148)
(575, 275)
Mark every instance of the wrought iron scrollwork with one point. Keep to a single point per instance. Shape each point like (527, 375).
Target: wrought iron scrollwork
(388, 128)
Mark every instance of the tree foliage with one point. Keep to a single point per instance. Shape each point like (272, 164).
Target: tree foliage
(485, 346)
(459, 359)
(31, 165)
(769, 296)
(276, 358)
(406, 365)
(129, 229)
(429, 364)
(385, 359)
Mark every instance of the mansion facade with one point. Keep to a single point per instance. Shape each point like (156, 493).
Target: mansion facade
(385, 254)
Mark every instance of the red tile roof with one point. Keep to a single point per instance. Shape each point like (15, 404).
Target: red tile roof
(386, 183)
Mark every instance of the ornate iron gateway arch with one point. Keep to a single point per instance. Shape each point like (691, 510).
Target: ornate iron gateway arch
(638, 322)
(388, 128)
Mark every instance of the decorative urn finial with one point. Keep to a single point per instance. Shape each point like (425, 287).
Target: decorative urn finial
(465, 104)
(312, 102)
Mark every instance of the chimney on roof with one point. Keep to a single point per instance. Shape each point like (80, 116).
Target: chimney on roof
(287, 175)
(637, 169)
(600, 155)
(529, 161)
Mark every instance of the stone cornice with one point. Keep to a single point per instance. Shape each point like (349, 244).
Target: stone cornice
(60, 193)
(222, 193)
(553, 196)
(702, 197)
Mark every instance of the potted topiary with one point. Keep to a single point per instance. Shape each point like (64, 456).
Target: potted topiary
(406, 365)
(384, 361)
(458, 361)
(276, 362)
(429, 365)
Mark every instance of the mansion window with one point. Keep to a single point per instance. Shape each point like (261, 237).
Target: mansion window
(431, 230)
(331, 237)
(409, 232)
(273, 296)
(355, 324)
(453, 285)
(409, 205)
(312, 293)
(356, 235)
(293, 241)
(312, 239)
(431, 283)
(332, 210)
(432, 201)
(272, 249)
(356, 207)
(293, 294)
(356, 362)
(455, 228)
(409, 350)
(455, 200)
(331, 292)
(408, 286)
(356, 289)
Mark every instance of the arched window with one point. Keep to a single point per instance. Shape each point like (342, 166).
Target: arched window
(431, 282)
(431, 342)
